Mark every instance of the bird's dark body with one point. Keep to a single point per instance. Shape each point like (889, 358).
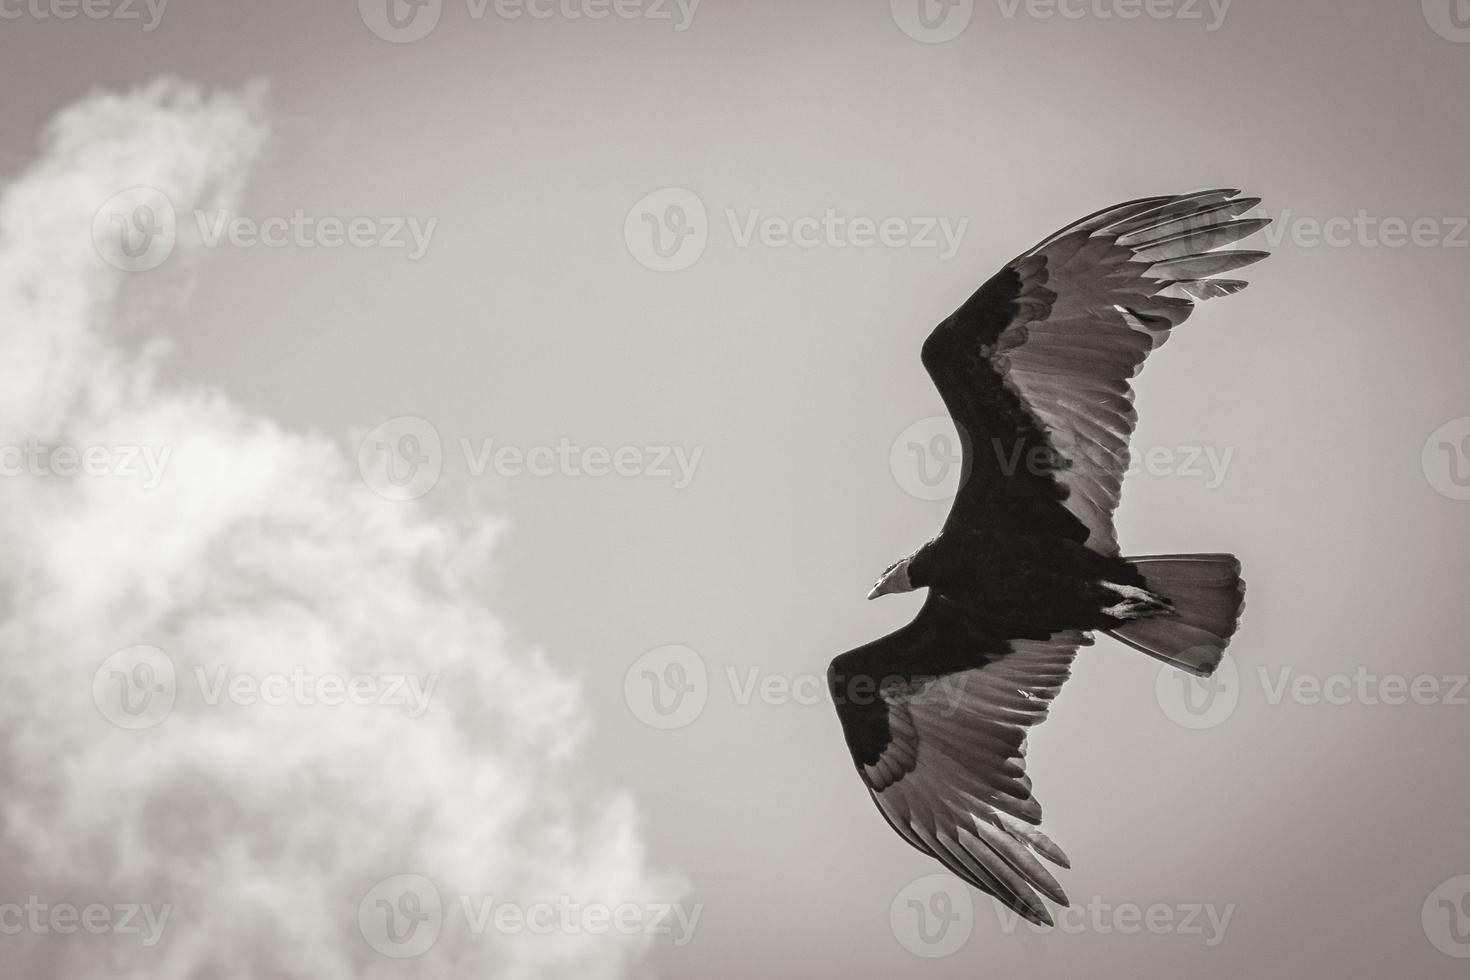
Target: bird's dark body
(1016, 579)
(991, 585)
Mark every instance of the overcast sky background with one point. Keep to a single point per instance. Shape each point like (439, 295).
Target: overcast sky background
(533, 318)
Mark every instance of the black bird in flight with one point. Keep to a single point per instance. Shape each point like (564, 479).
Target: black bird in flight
(1034, 369)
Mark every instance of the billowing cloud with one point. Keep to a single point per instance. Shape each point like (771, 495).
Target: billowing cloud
(250, 706)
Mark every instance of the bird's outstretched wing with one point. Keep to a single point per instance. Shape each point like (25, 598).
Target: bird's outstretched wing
(1034, 367)
(936, 716)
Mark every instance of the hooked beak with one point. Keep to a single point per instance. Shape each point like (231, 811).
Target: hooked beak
(896, 579)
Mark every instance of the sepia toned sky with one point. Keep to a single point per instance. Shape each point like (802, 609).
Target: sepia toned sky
(644, 294)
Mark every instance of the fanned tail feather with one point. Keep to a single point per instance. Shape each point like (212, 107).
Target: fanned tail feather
(1207, 595)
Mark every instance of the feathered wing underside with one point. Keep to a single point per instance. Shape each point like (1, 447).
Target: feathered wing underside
(943, 754)
(1081, 311)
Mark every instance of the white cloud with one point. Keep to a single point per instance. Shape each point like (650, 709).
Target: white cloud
(260, 552)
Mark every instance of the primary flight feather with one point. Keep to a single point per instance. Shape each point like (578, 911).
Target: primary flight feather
(1034, 369)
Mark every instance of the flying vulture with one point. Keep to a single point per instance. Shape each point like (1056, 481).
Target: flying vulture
(1034, 369)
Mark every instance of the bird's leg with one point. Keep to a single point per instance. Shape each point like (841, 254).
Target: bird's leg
(1136, 603)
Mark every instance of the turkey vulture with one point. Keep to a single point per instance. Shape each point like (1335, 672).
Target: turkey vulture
(1034, 369)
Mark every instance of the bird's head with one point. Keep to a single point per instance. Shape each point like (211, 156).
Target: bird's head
(895, 579)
